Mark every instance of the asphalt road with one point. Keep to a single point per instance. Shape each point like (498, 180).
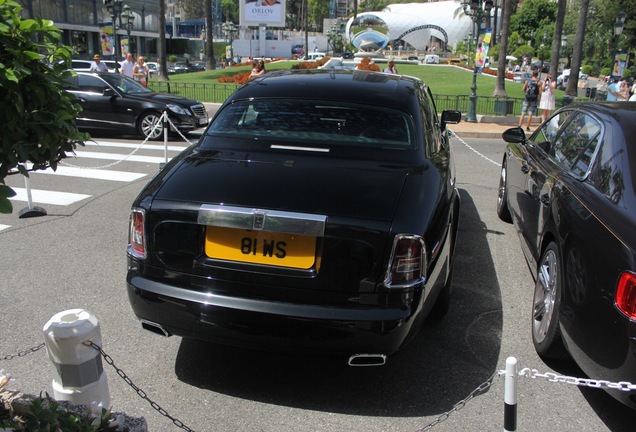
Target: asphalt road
(75, 258)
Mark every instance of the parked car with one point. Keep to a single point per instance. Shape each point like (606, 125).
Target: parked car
(521, 77)
(570, 189)
(177, 68)
(431, 59)
(318, 213)
(543, 66)
(115, 102)
(562, 79)
(198, 67)
(153, 69)
(85, 65)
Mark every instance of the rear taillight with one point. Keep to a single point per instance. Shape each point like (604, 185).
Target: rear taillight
(407, 266)
(137, 235)
(626, 294)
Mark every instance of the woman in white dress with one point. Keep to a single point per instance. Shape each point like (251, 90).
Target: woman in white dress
(547, 97)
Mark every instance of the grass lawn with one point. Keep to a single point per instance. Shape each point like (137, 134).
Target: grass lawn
(443, 80)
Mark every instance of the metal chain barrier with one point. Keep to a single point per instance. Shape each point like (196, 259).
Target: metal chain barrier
(160, 121)
(481, 389)
(139, 391)
(459, 405)
(582, 382)
(23, 353)
(474, 150)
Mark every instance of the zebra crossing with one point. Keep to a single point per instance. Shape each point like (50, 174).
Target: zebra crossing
(87, 163)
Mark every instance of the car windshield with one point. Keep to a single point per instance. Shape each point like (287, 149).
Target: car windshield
(125, 84)
(297, 122)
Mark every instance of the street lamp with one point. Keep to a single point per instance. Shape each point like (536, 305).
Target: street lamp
(477, 10)
(542, 50)
(564, 46)
(114, 9)
(619, 24)
(128, 18)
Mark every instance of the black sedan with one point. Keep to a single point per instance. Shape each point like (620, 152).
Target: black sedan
(571, 191)
(318, 213)
(114, 102)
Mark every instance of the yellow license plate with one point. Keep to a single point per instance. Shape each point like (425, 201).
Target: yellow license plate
(260, 247)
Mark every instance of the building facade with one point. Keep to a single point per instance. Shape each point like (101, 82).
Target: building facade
(86, 23)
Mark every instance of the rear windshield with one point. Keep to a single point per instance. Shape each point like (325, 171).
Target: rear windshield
(325, 123)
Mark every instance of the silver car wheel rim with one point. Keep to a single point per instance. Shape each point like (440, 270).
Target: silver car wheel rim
(544, 296)
(502, 186)
(147, 125)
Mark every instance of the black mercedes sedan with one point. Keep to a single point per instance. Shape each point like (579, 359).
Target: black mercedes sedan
(570, 189)
(114, 102)
(317, 214)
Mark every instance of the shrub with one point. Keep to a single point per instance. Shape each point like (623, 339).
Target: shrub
(606, 71)
(587, 69)
(36, 113)
(627, 73)
(172, 58)
(366, 64)
(239, 78)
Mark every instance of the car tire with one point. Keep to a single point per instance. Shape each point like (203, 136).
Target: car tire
(546, 332)
(503, 211)
(147, 123)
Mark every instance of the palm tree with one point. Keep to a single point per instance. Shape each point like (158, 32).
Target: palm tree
(558, 34)
(577, 55)
(500, 88)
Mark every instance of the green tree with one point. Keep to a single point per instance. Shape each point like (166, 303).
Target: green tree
(36, 114)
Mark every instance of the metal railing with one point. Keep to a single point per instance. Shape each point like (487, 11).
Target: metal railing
(486, 105)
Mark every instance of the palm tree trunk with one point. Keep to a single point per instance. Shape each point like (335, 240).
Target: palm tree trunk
(210, 62)
(161, 49)
(573, 81)
(500, 88)
(558, 35)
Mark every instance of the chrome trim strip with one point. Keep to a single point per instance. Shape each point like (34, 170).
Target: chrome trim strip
(259, 219)
(308, 149)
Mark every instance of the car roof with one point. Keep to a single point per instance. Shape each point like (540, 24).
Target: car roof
(363, 87)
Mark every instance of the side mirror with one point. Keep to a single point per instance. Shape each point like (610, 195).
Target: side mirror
(450, 117)
(514, 135)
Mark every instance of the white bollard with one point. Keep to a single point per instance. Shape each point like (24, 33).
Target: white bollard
(510, 395)
(78, 373)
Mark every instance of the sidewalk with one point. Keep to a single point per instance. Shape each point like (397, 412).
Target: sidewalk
(490, 127)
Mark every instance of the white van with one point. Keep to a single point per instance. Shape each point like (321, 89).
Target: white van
(313, 56)
(431, 59)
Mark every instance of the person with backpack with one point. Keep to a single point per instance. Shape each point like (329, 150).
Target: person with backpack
(531, 99)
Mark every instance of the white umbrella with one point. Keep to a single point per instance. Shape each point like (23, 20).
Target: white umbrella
(511, 58)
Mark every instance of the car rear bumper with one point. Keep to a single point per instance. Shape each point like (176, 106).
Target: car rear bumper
(273, 325)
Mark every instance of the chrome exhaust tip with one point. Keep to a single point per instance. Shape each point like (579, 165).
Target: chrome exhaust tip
(367, 360)
(154, 327)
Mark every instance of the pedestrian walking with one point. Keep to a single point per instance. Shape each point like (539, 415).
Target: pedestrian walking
(531, 99)
(140, 71)
(128, 65)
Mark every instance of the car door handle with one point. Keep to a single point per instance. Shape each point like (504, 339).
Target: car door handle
(545, 200)
(82, 99)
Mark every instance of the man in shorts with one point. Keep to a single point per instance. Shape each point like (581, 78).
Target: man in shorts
(531, 90)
